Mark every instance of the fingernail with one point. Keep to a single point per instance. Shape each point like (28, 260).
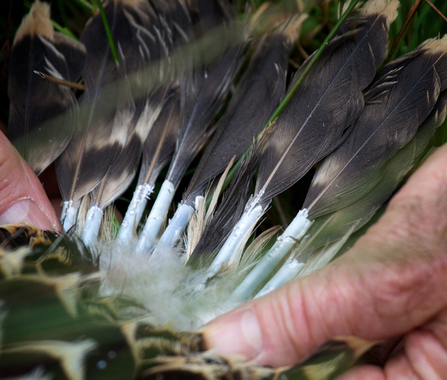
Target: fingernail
(236, 335)
(26, 212)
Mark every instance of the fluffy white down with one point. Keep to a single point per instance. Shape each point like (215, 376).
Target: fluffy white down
(172, 293)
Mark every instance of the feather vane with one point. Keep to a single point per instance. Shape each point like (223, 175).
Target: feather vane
(262, 83)
(37, 47)
(112, 140)
(188, 296)
(398, 102)
(76, 174)
(356, 179)
(203, 91)
(320, 114)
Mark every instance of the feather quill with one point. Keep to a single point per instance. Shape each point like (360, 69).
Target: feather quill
(203, 91)
(318, 117)
(133, 120)
(262, 83)
(231, 208)
(397, 104)
(37, 47)
(168, 120)
(103, 136)
(175, 23)
(329, 232)
(157, 152)
(77, 175)
(176, 27)
(304, 134)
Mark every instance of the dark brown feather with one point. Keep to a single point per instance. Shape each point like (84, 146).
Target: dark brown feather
(42, 114)
(318, 117)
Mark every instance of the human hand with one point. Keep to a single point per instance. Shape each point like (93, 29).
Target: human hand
(391, 283)
(22, 197)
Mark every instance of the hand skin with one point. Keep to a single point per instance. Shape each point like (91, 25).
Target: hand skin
(19, 183)
(22, 197)
(393, 282)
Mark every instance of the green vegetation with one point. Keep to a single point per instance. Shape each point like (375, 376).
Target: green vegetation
(70, 16)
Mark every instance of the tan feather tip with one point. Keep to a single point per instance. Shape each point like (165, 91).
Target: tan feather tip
(381, 7)
(132, 3)
(292, 28)
(37, 21)
(267, 18)
(435, 45)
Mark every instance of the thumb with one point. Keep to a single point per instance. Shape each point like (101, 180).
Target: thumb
(392, 281)
(22, 197)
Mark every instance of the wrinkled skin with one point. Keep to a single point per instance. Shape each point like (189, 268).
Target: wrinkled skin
(390, 284)
(22, 197)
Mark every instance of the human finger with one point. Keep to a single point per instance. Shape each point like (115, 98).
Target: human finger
(22, 198)
(423, 356)
(392, 281)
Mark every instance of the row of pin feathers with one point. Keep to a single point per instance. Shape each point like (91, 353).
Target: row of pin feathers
(155, 96)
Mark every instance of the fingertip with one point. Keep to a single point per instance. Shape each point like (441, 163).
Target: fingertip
(428, 356)
(269, 330)
(26, 212)
(22, 197)
(235, 334)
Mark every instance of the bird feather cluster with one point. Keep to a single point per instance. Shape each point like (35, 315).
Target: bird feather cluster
(96, 302)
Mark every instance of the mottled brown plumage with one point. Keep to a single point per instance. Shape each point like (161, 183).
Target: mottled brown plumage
(56, 324)
(42, 114)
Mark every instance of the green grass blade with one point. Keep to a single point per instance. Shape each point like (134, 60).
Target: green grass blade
(63, 30)
(294, 88)
(108, 32)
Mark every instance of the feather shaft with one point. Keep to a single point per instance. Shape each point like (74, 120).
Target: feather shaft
(203, 91)
(381, 124)
(155, 220)
(157, 160)
(68, 215)
(92, 224)
(339, 222)
(134, 213)
(177, 224)
(35, 102)
(193, 138)
(106, 154)
(139, 118)
(98, 141)
(262, 83)
(381, 130)
(285, 274)
(230, 210)
(335, 224)
(248, 220)
(294, 232)
(311, 63)
(322, 111)
(63, 82)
